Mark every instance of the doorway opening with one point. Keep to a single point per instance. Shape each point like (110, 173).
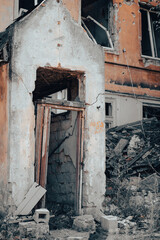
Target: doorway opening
(59, 111)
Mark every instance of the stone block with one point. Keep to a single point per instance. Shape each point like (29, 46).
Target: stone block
(32, 230)
(84, 223)
(109, 223)
(41, 215)
(42, 229)
(27, 228)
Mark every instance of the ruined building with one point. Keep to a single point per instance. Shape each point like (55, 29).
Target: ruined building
(68, 70)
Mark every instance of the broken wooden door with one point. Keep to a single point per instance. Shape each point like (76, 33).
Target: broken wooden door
(42, 143)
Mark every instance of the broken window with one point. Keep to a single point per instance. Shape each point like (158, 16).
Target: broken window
(108, 115)
(108, 109)
(150, 33)
(151, 111)
(96, 21)
(27, 5)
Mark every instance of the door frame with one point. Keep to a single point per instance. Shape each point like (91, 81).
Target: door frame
(43, 120)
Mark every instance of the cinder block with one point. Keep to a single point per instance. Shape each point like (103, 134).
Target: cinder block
(109, 223)
(41, 215)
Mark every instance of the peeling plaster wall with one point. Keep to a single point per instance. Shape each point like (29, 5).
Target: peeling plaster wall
(123, 68)
(3, 136)
(48, 36)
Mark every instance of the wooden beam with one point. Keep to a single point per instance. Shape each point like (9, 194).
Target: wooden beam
(39, 131)
(45, 147)
(63, 103)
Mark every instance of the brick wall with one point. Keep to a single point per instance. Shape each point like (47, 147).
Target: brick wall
(62, 161)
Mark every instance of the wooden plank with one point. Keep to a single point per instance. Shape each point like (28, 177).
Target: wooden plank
(81, 162)
(33, 201)
(62, 102)
(45, 146)
(33, 196)
(38, 151)
(78, 163)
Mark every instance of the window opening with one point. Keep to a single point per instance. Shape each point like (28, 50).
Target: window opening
(150, 33)
(149, 112)
(58, 84)
(108, 109)
(95, 20)
(27, 5)
(108, 115)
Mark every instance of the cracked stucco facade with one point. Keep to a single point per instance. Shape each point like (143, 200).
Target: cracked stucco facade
(40, 40)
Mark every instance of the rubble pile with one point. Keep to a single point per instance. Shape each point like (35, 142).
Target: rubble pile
(133, 149)
(62, 216)
(133, 175)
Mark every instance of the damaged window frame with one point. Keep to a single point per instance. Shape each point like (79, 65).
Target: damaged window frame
(150, 106)
(20, 11)
(153, 45)
(90, 18)
(101, 26)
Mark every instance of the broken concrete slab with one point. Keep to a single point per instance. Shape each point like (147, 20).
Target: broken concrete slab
(84, 223)
(109, 223)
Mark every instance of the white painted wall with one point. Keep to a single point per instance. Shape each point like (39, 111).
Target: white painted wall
(125, 109)
(35, 44)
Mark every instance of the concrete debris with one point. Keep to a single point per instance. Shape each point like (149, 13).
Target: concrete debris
(41, 216)
(63, 217)
(68, 234)
(33, 230)
(133, 149)
(84, 223)
(109, 223)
